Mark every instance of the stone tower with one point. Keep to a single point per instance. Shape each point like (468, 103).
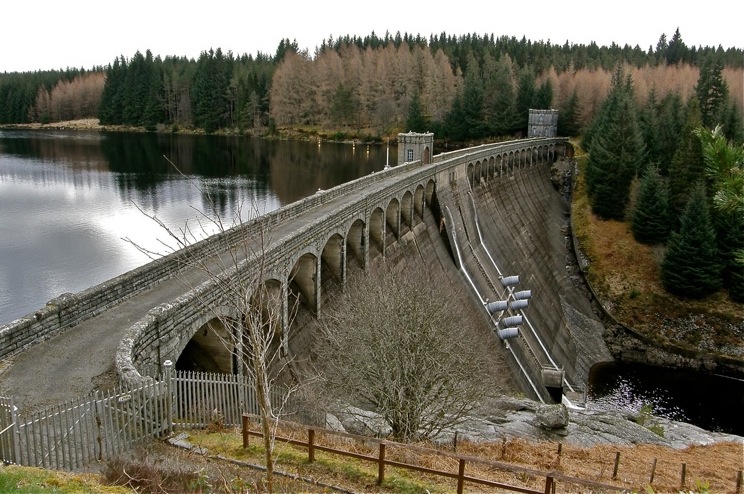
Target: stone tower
(543, 123)
(414, 146)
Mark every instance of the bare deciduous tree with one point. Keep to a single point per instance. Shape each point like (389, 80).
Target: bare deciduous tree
(401, 344)
(249, 309)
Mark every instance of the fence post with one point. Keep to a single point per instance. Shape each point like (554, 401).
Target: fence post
(617, 465)
(244, 425)
(461, 476)
(684, 475)
(168, 366)
(310, 448)
(653, 472)
(549, 485)
(15, 435)
(739, 481)
(381, 465)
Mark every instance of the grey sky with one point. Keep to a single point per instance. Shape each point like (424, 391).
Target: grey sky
(46, 34)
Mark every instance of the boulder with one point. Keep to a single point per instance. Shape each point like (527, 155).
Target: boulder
(552, 416)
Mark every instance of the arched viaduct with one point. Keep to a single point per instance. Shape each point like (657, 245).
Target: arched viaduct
(296, 253)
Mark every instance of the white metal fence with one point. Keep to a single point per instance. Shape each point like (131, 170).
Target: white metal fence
(103, 425)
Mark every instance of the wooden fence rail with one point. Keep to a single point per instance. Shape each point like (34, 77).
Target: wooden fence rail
(551, 478)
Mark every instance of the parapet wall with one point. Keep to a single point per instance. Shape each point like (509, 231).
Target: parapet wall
(70, 309)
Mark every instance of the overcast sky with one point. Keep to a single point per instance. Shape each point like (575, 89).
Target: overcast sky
(53, 34)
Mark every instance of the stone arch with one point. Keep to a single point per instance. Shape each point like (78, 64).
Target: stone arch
(332, 258)
(431, 189)
(269, 304)
(209, 346)
(471, 175)
(356, 244)
(406, 210)
(304, 283)
(392, 216)
(377, 232)
(419, 201)
(478, 172)
(492, 167)
(426, 156)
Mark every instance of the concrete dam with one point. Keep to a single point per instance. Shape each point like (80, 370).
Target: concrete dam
(489, 216)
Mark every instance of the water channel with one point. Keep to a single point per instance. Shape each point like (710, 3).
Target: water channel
(77, 209)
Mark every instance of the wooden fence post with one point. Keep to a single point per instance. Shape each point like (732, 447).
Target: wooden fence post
(244, 427)
(381, 465)
(310, 445)
(549, 486)
(617, 465)
(739, 481)
(558, 460)
(684, 475)
(653, 472)
(461, 476)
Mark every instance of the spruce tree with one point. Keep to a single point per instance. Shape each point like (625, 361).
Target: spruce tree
(416, 121)
(687, 167)
(616, 153)
(110, 109)
(669, 129)
(711, 91)
(543, 96)
(568, 120)
(691, 267)
(650, 223)
(526, 89)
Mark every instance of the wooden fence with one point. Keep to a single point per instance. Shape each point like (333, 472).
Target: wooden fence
(103, 425)
(382, 461)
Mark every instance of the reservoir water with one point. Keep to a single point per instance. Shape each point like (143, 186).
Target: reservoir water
(78, 208)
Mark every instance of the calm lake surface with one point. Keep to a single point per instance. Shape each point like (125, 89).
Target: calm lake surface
(75, 206)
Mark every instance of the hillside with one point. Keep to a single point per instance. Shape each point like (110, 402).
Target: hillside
(625, 276)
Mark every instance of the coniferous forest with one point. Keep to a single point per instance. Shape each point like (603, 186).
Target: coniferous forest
(460, 87)
(662, 126)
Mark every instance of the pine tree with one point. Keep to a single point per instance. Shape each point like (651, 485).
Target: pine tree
(543, 96)
(416, 121)
(210, 90)
(472, 104)
(110, 109)
(650, 223)
(454, 122)
(669, 129)
(568, 119)
(690, 267)
(687, 167)
(649, 123)
(499, 101)
(712, 92)
(676, 50)
(525, 96)
(724, 167)
(616, 153)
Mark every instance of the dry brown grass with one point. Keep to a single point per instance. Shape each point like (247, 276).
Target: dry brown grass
(715, 465)
(626, 275)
